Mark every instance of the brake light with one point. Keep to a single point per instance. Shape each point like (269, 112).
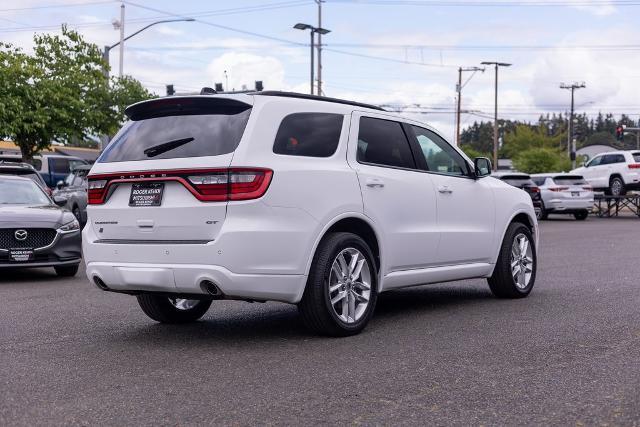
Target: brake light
(557, 189)
(534, 189)
(588, 188)
(206, 185)
(634, 165)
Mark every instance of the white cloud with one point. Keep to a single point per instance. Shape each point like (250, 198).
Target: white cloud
(245, 69)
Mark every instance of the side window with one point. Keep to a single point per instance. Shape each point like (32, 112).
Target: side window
(440, 156)
(383, 142)
(596, 161)
(309, 134)
(37, 163)
(619, 158)
(59, 165)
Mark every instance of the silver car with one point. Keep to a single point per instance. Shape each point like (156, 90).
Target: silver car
(74, 190)
(564, 193)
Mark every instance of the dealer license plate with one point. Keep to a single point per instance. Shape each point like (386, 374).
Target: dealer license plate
(146, 194)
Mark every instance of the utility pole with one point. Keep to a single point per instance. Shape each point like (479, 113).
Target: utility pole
(121, 40)
(495, 122)
(459, 87)
(571, 142)
(319, 47)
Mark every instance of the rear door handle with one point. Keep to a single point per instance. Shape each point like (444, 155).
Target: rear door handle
(374, 182)
(444, 189)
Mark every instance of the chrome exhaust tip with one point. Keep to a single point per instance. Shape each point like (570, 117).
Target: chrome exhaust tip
(211, 288)
(100, 283)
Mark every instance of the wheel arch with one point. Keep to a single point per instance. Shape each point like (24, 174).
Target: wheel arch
(352, 222)
(525, 218)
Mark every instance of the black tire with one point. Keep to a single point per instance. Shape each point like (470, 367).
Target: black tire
(542, 214)
(66, 270)
(581, 216)
(616, 187)
(161, 310)
(502, 283)
(315, 308)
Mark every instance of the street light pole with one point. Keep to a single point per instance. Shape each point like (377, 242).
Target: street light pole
(121, 40)
(319, 47)
(313, 30)
(495, 119)
(107, 49)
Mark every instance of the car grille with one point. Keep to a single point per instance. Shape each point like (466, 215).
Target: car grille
(36, 238)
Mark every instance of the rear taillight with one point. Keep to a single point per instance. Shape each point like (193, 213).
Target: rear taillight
(534, 189)
(558, 188)
(634, 165)
(96, 189)
(587, 187)
(217, 185)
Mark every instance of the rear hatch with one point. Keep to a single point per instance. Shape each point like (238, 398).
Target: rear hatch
(165, 176)
(572, 187)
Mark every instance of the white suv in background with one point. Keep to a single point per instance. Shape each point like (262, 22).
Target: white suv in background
(313, 201)
(614, 172)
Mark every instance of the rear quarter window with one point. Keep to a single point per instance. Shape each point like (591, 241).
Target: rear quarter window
(636, 157)
(309, 134)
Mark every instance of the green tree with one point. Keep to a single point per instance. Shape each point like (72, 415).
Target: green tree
(526, 137)
(60, 93)
(540, 160)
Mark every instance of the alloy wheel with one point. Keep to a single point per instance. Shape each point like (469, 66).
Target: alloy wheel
(183, 304)
(350, 285)
(521, 261)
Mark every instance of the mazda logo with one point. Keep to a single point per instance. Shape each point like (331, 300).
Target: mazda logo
(20, 235)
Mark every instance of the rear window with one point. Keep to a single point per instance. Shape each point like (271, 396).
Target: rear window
(519, 182)
(569, 180)
(539, 180)
(178, 136)
(309, 134)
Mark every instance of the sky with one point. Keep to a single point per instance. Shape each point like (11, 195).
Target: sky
(403, 54)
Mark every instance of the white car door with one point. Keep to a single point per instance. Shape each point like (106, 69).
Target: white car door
(397, 196)
(466, 209)
(596, 173)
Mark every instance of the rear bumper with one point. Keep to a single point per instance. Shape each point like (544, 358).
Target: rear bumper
(187, 279)
(568, 205)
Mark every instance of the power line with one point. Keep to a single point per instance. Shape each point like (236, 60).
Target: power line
(505, 3)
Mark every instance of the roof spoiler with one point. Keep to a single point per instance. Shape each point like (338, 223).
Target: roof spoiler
(184, 106)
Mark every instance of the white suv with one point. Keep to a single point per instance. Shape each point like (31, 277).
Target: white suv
(614, 172)
(318, 202)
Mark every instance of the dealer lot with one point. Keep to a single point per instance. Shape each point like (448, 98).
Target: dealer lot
(439, 354)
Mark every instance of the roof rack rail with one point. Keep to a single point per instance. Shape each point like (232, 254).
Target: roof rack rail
(316, 98)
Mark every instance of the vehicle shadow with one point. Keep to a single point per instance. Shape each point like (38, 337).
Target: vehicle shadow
(275, 322)
(10, 276)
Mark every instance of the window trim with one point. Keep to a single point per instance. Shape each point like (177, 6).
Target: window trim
(416, 146)
(404, 131)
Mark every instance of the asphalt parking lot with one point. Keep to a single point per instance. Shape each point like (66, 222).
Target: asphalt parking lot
(439, 354)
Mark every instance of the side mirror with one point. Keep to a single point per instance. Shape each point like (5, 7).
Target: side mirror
(60, 201)
(59, 184)
(482, 167)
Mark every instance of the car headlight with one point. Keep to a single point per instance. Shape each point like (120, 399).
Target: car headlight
(70, 226)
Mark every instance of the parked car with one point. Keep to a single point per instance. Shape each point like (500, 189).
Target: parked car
(614, 173)
(23, 169)
(524, 182)
(314, 201)
(74, 190)
(52, 167)
(564, 193)
(34, 231)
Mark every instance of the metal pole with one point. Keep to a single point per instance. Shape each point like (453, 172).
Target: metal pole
(570, 127)
(121, 39)
(459, 106)
(637, 140)
(312, 65)
(319, 48)
(495, 126)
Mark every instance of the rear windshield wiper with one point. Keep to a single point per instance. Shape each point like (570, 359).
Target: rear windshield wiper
(166, 146)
